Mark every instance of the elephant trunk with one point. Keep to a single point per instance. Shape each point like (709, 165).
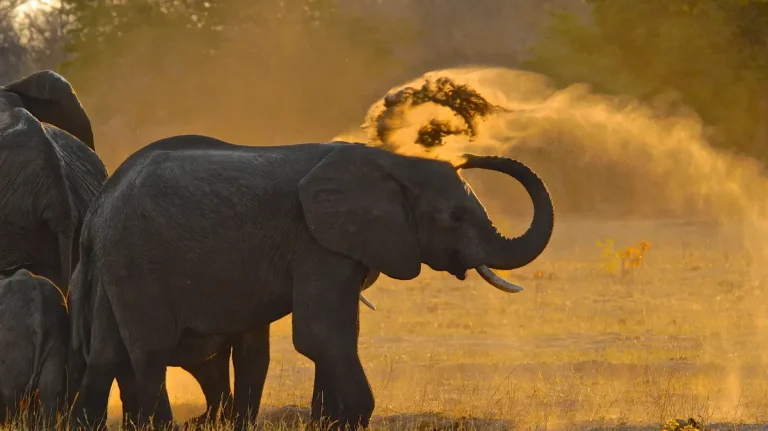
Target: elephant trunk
(511, 253)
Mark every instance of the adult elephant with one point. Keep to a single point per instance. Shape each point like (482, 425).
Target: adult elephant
(205, 358)
(215, 238)
(49, 173)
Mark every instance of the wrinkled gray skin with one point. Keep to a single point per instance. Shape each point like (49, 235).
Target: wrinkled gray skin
(206, 359)
(34, 339)
(221, 239)
(49, 174)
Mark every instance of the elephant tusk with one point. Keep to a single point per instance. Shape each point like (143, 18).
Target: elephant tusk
(494, 280)
(367, 303)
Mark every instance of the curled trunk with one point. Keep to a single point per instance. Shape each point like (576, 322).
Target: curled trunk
(512, 253)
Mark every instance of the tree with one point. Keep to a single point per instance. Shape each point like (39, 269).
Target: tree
(243, 70)
(29, 42)
(12, 51)
(712, 53)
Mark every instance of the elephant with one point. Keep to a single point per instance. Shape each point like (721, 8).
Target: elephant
(216, 239)
(34, 338)
(49, 174)
(205, 358)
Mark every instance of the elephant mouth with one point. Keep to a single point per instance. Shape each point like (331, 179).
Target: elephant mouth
(455, 268)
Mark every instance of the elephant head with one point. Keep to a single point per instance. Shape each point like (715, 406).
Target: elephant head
(394, 212)
(49, 174)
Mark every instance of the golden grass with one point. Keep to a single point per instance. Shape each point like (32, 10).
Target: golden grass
(682, 336)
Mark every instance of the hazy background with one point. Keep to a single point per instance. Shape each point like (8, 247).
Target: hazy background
(259, 72)
(646, 119)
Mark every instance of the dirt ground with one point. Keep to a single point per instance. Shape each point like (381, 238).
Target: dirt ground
(682, 336)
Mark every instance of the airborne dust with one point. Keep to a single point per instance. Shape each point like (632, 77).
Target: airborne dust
(599, 154)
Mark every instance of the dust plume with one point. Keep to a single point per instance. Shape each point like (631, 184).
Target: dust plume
(462, 100)
(601, 156)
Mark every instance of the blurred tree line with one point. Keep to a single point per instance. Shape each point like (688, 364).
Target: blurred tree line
(255, 71)
(276, 71)
(710, 55)
(30, 43)
(235, 69)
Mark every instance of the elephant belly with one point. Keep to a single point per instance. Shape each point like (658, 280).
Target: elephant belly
(196, 349)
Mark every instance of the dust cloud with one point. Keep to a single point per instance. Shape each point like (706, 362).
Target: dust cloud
(600, 155)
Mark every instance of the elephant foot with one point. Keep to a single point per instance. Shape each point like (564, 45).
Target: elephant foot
(208, 419)
(170, 427)
(327, 424)
(198, 423)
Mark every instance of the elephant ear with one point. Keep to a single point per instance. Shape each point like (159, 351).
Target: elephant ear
(51, 99)
(353, 206)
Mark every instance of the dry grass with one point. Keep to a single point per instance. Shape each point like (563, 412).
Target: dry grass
(682, 336)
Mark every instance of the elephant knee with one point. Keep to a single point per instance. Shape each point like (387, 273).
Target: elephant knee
(307, 344)
(321, 342)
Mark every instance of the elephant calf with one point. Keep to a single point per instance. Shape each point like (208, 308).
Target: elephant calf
(33, 344)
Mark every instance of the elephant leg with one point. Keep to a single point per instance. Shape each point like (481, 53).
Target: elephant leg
(3, 411)
(324, 402)
(151, 391)
(126, 382)
(250, 357)
(149, 346)
(325, 329)
(128, 397)
(52, 389)
(106, 357)
(213, 377)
